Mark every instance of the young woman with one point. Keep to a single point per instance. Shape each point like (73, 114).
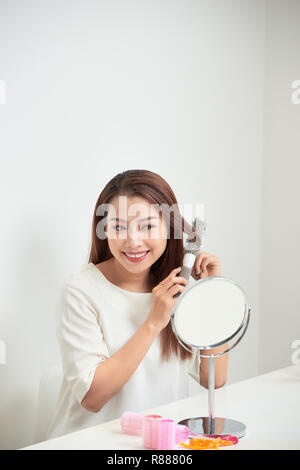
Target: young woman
(118, 350)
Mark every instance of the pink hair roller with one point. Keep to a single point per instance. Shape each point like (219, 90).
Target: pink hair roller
(181, 433)
(166, 436)
(132, 423)
(150, 433)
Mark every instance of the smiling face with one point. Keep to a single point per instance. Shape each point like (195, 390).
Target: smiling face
(136, 233)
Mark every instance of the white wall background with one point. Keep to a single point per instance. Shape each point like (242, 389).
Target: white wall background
(280, 261)
(98, 87)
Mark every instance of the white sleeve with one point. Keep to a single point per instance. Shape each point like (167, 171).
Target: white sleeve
(80, 339)
(194, 366)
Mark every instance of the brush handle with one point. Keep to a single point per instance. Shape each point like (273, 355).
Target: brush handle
(188, 263)
(185, 272)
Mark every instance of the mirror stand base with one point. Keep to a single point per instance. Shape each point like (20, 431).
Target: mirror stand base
(215, 426)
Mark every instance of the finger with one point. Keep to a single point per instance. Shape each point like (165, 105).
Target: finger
(176, 288)
(175, 270)
(165, 284)
(206, 261)
(204, 264)
(198, 262)
(172, 274)
(176, 283)
(181, 279)
(173, 280)
(168, 278)
(196, 276)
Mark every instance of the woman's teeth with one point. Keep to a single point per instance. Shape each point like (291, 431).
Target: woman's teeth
(136, 257)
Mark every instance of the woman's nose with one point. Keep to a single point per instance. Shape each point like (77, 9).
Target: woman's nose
(134, 234)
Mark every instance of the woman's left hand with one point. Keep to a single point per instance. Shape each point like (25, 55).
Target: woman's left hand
(207, 265)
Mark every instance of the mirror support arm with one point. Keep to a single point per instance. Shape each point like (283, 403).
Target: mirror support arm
(211, 390)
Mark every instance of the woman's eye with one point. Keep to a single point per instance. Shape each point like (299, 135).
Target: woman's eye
(116, 227)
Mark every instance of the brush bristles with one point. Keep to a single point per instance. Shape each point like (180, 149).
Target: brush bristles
(193, 244)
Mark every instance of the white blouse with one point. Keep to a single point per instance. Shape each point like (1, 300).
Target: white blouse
(95, 318)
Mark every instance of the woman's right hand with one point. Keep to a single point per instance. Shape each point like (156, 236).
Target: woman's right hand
(163, 301)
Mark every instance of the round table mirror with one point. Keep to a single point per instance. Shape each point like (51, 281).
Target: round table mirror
(211, 312)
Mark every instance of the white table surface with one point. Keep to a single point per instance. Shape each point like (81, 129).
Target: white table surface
(268, 404)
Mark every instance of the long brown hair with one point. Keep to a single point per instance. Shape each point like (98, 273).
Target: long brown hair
(156, 190)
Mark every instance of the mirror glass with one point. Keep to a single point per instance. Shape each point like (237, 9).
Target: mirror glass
(209, 312)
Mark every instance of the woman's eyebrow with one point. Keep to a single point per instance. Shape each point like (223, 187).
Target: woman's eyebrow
(123, 220)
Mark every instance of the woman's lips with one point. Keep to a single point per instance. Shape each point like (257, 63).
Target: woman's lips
(135, 260)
